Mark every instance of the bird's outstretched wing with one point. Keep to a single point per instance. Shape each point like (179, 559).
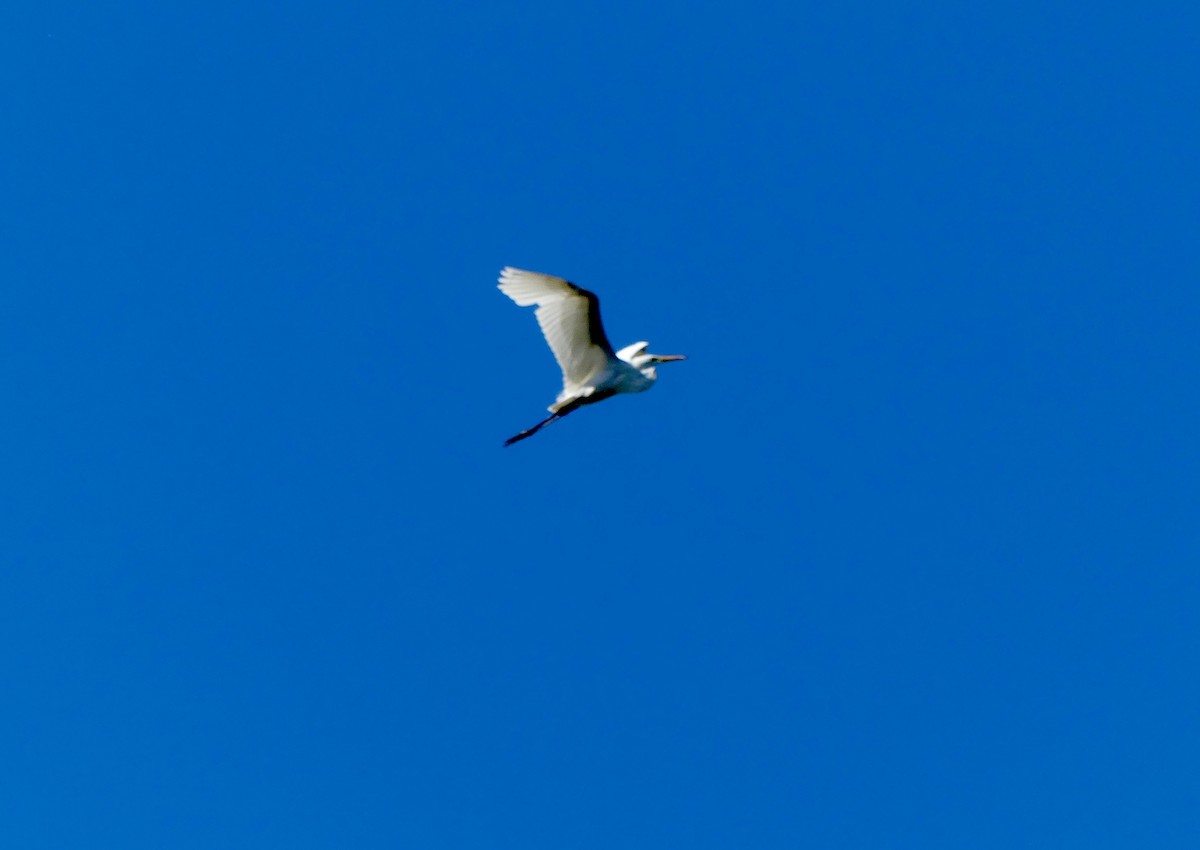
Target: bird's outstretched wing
(570, 320)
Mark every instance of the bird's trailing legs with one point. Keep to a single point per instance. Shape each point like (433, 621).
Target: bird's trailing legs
(529, 432)
(563, 409)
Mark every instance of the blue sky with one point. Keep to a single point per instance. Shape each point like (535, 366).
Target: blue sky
(903, 556)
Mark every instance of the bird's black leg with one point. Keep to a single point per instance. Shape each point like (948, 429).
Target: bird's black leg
(531, 431)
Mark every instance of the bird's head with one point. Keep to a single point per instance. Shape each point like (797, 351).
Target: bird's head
(637, 357)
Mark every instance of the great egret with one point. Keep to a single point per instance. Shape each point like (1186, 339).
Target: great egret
(570, 320)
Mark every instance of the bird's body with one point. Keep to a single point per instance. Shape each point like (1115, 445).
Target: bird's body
(570, 320)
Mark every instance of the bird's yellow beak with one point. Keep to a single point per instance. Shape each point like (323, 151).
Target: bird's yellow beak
(663, 358)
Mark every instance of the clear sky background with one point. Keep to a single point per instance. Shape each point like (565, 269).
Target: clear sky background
(905, 555)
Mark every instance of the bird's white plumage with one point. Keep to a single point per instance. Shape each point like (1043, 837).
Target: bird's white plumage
(570, 320)
(564, 314)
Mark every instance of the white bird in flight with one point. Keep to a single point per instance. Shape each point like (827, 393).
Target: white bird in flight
(570, 320)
